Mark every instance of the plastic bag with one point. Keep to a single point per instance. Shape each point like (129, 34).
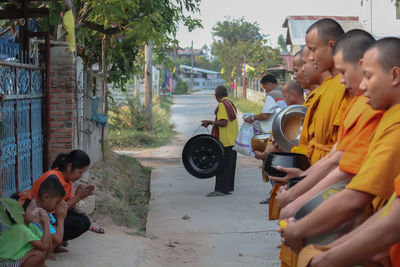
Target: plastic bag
(243, 140)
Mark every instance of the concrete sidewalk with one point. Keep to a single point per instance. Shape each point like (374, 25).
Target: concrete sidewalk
(232, 230)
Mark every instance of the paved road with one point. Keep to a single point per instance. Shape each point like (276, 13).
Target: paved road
(222, 231)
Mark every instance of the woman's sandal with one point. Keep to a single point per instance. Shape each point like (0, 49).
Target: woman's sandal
(96, 229)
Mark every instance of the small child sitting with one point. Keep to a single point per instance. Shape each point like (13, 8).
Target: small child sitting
(50, 195)
(21, 243)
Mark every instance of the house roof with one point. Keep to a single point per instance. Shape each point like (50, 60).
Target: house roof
(298, 25)
(186, 68)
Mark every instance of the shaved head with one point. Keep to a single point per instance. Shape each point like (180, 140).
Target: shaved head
(299, 56)
(388, 52)
(353, 45)
(328, 29)
(293, 86)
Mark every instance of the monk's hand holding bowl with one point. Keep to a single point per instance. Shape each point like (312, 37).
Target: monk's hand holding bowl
(290, 174)
(288, 211)
(259, 155)
(317, 261)
(283, 198)
(292, 237)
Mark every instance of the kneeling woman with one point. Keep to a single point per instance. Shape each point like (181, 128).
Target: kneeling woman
(69, 168)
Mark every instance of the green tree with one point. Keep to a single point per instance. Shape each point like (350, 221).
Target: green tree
(236, 40)
(282, 43)
(125, 26)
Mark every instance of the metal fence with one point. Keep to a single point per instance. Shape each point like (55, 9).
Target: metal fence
(21, 123)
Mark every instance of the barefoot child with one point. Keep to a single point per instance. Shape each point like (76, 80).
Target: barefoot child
(22, 244)
(50, 195)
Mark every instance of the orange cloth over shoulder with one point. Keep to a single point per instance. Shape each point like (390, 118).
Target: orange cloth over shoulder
(380, 166)
(395, 249)
(329, 114)
(355, 132)
(325, 113)
(67, 185)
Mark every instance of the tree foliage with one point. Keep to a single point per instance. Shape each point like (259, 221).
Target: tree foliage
(128, 25)
(282, 43)
(236, 41)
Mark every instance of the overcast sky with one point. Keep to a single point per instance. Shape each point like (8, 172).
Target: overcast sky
(269, 14)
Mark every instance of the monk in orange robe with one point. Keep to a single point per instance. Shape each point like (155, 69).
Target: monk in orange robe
(381, 84)
(354, 133)
(373, 185)
(309, 76)
(326, 110)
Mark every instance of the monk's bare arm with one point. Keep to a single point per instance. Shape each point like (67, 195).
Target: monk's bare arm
(332, 178)
(330, 214)
(316, 174)
(374, 238)
(355, 232)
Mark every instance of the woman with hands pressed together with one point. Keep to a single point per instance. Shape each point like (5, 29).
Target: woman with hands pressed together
(68, 168)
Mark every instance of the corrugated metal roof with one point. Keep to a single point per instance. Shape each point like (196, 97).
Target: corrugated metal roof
(189, 68)
(298, 25)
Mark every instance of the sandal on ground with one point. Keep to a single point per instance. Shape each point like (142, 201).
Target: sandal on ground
(215, 194)
(96, 229)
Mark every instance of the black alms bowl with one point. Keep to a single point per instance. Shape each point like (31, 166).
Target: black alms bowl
(284, 159)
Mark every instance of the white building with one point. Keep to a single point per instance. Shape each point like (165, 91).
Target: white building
(202, 79)
(381, 17)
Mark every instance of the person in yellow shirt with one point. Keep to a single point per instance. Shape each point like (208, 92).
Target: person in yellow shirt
(373, 185)
(225, 129)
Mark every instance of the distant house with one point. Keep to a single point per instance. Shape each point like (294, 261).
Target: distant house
(298, 25)
(202, 79)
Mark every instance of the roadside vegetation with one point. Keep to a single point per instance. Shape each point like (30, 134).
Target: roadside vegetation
(122, 191)
(245, 106)
(130, 128)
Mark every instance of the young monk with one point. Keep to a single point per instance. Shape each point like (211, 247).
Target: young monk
(293, 93)
(381, 83)
(354, 133)
(373, 185)
(328, 102)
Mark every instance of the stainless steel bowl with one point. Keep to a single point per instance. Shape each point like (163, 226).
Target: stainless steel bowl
(293, 117)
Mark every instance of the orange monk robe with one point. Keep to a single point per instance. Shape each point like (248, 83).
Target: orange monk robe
(395, 249)
(324, 115)
(287, 256)
(327, 118)
(381, 164)
(311, 103)
(359, 124)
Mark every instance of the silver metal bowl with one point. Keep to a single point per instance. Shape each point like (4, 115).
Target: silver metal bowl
(287, 126)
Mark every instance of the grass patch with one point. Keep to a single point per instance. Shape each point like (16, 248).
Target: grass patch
(122, 190)
(246, 106)
(130, 128)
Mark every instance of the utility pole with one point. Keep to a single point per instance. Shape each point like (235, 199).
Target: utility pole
(148, 87)
(244, 77)
(104, 69)
(191, 73)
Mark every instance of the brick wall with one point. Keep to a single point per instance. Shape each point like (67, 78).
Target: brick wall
(62, 102)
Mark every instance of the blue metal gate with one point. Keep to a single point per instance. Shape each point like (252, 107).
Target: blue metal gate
(21, 128)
